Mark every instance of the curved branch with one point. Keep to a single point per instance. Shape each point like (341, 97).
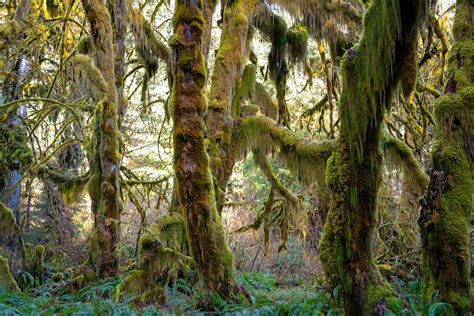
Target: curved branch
(307, 160)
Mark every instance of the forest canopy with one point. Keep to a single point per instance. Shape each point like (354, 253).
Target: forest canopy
(238, 156)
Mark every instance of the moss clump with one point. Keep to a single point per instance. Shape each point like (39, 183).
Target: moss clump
(57, 277)
(297, 39)
(6, 279)
(8, 224)
(39, 264)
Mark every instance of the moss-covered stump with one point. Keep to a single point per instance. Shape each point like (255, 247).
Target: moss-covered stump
(213, 258)
(6, 279)
(371, 72)
(39, 264)
(161, 261)
(446, 214)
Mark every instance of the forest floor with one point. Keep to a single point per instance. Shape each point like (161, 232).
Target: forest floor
(270, 297)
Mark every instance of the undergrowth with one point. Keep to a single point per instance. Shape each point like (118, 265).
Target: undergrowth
(269, 297)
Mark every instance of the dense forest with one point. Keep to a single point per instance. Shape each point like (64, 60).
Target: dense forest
(241, 157)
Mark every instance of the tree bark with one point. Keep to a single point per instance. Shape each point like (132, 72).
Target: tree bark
(104, 183)
(195, 186)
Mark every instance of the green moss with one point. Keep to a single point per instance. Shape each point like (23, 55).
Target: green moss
(89, 76)
(306, 159)
(446, 217)
(297, 39)
(6, 279)
(372, 71)
(8, 224)
(14, 151)
(39, 264)
(153, 296)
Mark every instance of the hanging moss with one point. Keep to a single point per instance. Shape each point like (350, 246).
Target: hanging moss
(284, 213)
(275, 28)
(6, 279)
(90, 79)
(297, 40)
(306, 159)
(149, 47)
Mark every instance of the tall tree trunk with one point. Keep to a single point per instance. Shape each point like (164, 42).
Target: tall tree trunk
(195, 186)
(228, 68)
(447, 206)
(118, 11)
(104, 183)
(371, 72)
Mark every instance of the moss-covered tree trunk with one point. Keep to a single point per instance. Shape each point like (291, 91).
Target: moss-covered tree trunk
(195, 186)
(228, 68)
(371, 72)
(447, 206)
(104, 183)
